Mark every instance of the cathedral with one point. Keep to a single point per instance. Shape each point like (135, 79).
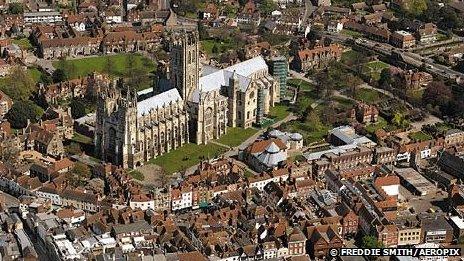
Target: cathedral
(201, 103)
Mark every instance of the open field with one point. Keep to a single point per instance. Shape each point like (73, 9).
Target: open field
(278, 112)
(186, 156)
(419, 136)
(374, 68)
(368, 95)
(235, 136)
(85, 66)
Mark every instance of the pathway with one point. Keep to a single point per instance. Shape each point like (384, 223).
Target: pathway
(234, 150)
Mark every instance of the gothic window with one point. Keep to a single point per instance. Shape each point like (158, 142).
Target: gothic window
(190, 57)
(252, 94)
(169, 138)
(162, 140)
(112, 140)
(155, 143)
(209, 116)
(182, 126)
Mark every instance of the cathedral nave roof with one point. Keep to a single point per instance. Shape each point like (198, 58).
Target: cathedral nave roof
(158, 101)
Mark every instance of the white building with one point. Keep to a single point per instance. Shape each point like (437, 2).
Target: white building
(43, 17)
(181, 198)
(142, 202)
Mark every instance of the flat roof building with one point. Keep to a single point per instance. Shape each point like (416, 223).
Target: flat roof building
(415, 182)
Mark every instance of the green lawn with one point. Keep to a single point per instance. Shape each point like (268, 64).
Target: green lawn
(24, 43)
(344, 102)
(187, 156)
(137, 175)
(278, 112)
(309, 134)
(235, 136)
(368, 95)
(348, 32)
(222, 46)
(304, 85)
(442, 37)
(82, 138)
(380, 124)
(35, 73)
(350, 56)
(374, 68)
(85, 66)
(419, 136)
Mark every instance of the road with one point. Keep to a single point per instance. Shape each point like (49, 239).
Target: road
(408, 57)
(309, 9)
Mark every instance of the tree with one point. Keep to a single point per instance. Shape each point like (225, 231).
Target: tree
(60, 75)
(46, 79)
(77, 108)
(202, 32)
(385, 80)
(15, 8)
(21, 111)
(353, 83)
(82, 171)
(437, 93)
(460, 66)
(313, 120)
(214, 49)
(371, 242)
(135, 75)
(415, 8)
(399, 120)
(64, 70)
(19, 85)
(267, 6)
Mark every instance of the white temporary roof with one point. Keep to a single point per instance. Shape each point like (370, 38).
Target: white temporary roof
(160, 100)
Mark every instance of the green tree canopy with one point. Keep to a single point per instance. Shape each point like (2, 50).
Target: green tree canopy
(19, 85)
(371, 242)
(15, 8)
(21, 111)
(267, 6)
(77, 108)
(415, 7)
(60, 75)
(82, 170)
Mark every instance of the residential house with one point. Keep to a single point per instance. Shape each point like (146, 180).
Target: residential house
(69, 47)
(364, 113)
(427, 33)
(316, 58)
(5, 104)
(84, 200)
(402, 39)
(322, 238)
